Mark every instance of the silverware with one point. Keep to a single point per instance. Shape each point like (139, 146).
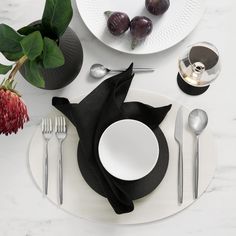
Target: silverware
(179, 139)
(47, 134)
(197, 121)
(98, 71)
(61, 132)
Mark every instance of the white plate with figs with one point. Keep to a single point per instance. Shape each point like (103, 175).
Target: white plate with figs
(169, 28)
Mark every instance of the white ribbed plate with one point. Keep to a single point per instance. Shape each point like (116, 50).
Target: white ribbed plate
(169, 29)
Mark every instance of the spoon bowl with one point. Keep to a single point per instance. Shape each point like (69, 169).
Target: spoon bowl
(197, 121)
(98, 71)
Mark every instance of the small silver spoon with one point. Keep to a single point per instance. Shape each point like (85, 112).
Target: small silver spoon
(98, 71)
(197, 121)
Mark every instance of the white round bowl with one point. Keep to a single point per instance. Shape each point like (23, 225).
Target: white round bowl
(128, 149)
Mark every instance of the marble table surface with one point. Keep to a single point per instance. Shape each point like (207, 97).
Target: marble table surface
(24, 212)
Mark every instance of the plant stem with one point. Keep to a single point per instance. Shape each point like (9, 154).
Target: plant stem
(18, 65)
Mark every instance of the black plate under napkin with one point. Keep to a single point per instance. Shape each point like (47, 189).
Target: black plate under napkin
(138, 188)
(102, 107)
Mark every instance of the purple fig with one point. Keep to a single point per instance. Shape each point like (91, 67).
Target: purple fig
(140, 28)
(117, 23)
(157, 7)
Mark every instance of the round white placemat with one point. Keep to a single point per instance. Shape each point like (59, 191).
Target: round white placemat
(80, 200)
(168, 29)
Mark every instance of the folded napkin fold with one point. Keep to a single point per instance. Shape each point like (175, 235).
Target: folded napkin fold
(102, 107)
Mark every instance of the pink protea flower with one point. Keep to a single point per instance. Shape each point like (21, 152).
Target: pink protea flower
(13, 111)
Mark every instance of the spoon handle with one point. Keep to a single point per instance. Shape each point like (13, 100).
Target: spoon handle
(136, 70)
(143, 70)
(196, 168)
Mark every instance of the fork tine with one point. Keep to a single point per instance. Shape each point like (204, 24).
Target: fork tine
(64, 125)
(61, 124)
(42, 125)
(56, 124)
(46, 125)
(58, 119)
(50, 125)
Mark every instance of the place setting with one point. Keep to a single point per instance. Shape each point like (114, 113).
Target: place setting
(126, 170)
(116, 155)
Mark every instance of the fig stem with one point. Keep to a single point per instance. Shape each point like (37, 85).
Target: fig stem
(108, 13)
(134, 43)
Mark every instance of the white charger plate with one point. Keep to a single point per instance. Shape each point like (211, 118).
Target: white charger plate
(81, 201)
(169, 29)
(128, 149)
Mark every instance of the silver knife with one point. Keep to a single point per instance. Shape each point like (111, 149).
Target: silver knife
(179, 140)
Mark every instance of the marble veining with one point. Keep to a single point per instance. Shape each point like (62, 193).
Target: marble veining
(24, 212)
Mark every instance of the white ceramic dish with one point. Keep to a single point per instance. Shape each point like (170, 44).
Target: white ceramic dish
(128, 149)
(169, 29)
(81, 201)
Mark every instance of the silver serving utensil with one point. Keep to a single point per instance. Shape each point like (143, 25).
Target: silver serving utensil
(47, 134)
(197, 121)
(61, 132)
(179, 139)
(98, 71)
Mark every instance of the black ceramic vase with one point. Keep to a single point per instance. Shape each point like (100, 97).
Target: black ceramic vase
(60, 77)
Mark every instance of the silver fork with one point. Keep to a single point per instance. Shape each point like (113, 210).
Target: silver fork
(61, 132)
(47, 134)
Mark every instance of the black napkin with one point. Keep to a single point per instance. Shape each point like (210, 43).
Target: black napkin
(102, 107)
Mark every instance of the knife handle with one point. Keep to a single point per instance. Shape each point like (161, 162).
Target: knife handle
(180, 175)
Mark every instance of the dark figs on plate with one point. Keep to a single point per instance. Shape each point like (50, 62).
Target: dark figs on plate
(117, 23)
(157, 7)
(140, 28)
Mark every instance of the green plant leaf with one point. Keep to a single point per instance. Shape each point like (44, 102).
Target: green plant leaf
(13, 56)
(33, 74)
(9, 39)
(30, 29)
(32, 45)
(37, 27)
(52, 54)
(57, 16)
(4, 69)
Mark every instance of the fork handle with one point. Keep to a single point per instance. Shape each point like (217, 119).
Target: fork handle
(60, 176)
(45, 170)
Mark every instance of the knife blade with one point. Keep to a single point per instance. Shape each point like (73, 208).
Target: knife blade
(179, 139)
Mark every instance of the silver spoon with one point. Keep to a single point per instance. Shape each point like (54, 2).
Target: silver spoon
(197, 121)
(98, 71)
